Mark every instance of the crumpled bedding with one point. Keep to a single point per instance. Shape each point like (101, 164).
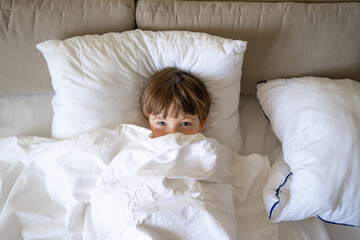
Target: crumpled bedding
(119, 183)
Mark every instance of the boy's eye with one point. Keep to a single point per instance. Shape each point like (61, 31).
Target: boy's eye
(186, 124)
(161, 123)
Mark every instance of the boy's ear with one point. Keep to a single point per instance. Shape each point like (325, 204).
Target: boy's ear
(202, 124)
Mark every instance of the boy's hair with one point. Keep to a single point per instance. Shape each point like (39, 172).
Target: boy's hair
(174, 88)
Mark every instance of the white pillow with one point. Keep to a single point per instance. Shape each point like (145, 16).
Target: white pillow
(317, 121)
(98, 79)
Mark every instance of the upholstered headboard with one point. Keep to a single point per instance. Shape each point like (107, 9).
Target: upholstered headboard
(284, 39)
(23, 24)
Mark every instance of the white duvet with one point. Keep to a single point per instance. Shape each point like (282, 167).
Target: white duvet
(119, 183)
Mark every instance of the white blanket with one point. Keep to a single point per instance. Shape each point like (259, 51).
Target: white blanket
(119, 183)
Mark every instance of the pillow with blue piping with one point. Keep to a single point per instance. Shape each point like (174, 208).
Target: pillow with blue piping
(317, 168)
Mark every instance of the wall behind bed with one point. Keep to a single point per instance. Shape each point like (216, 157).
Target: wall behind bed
(284, 39)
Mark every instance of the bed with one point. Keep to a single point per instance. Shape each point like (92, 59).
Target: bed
(270, 69)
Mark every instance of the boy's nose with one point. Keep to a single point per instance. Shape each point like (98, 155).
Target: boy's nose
(172, 130)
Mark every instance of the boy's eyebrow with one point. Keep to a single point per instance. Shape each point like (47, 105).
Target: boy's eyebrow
(190, 116)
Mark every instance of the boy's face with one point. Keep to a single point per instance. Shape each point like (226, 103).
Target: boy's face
(186, 124)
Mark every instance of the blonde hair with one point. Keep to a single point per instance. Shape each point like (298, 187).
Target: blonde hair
(179, 90)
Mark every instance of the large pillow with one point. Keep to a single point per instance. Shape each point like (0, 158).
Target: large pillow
(98, 79)
(317, 121)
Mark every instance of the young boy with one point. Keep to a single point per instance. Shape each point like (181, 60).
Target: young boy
(175, 101)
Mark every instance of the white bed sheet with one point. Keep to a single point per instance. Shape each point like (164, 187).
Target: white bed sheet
(29, 114)
(32, 115)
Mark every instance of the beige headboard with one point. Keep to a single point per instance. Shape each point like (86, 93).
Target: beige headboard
(284, 39)
(24, 23)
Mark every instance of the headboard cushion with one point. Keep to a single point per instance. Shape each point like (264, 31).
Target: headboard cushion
(284, 39)
(304, 1)
(23, 24)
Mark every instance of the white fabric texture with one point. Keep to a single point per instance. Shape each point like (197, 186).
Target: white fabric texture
(26, 115)
(317, 121)
(119, 183)
(98, 79)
